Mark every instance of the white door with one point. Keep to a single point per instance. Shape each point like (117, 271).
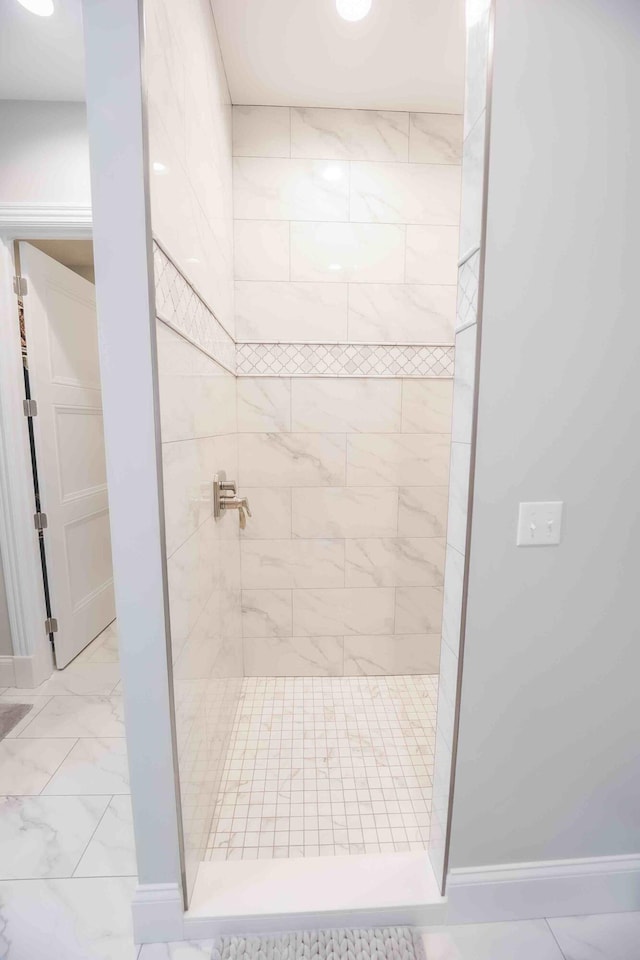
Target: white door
(62, 349)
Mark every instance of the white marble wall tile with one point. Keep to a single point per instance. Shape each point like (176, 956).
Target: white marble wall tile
(292, 563)
(291, 311)
(45, 836)
(435, 138)
(412, 460)
(614, 936)
(452, 606)
(477, 62)
(271, 509)
(261, 131)
(395, 655)
(353, 405)
(192, 578)
(344, 512)
(88, 919)
(93, 766)
(87, 716)
(426, 406)
(272, 189)
(472, 187)
(111, 851)
(196, 394)
(293, 459)
(293, 657)
(464, 382)
(264, 404)
(356, 252)
(418, 609)
(341, 612)
(402, 313)
(187, 468)
(432, 254)
(458, 496)
(525, 939)
(26, 766)
(349, 134)
(394, 561)
(422, 511)
(405, 193)
(261, 250)
(266, 613)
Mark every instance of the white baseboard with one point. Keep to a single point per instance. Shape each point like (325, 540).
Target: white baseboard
(552, 888)
(158, 913)
(28, 672)
(7, 672)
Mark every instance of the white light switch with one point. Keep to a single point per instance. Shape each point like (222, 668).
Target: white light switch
(539, 524)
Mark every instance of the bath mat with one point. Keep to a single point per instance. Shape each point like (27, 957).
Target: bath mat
(387, 943)
(10, 715)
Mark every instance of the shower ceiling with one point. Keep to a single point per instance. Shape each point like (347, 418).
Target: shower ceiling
(405, 55)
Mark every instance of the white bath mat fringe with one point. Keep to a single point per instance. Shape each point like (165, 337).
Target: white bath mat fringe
(384, 943)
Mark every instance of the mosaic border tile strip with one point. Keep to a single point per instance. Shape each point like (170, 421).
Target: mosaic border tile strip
(180, 307)
(468, 280)
(343, 360)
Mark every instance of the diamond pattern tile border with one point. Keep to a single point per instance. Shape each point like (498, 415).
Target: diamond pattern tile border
(343, 360)
(179, 306)
(468, 279)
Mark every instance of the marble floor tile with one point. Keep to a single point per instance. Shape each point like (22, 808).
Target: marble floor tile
(111, 851)
(26, 766)
(46, 836)
(93, 766)
(77, 679)
(182, 950)
(86, 919)
(86, 716)
(37, 704)
(609, 936)
(523, 939)
(104, 649)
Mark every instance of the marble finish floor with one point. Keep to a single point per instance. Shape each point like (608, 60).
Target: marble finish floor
(65, 816)
(319, 766)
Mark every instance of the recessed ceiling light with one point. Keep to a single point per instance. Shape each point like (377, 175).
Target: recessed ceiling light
(41, 8)
(353, 9)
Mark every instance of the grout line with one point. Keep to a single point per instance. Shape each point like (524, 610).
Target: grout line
(72, 747)
(86, 846)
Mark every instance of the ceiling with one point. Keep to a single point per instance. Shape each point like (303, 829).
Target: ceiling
(405, 55)
(41, 58)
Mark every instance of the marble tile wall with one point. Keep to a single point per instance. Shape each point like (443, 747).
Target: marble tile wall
(346, 224)
(466, 331)
(346, 229)
(343, 560)
(191, 212)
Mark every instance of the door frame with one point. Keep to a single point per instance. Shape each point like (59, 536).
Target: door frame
(31, 662)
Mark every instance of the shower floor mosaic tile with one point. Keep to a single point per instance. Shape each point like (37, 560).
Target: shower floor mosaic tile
(321, 766)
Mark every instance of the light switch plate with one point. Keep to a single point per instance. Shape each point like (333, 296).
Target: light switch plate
(539, 524)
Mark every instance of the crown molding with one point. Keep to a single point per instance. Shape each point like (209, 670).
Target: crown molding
(42, 220)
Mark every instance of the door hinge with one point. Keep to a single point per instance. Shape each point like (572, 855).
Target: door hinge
(51, 625)
(20, 286)
(40, 521)
(30, 408)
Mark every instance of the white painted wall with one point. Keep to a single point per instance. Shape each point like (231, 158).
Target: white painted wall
(548, 763)
(6, 648)
(44, 153)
